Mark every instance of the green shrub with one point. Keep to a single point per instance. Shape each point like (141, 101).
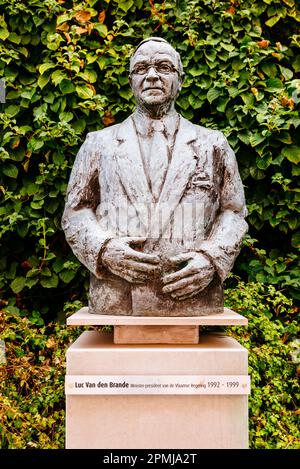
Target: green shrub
(32, 381)
(31, 389)
(66, 63)
(269, 338)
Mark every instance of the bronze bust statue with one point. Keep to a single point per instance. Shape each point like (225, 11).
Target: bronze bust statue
(155, 207)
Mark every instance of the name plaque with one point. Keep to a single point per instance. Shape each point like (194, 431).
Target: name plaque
(154, 384)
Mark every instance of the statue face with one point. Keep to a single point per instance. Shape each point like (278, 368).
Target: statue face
(154, 75)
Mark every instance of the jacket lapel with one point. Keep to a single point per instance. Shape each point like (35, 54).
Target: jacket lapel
(182, 166)
(131, 170)
(133, 178)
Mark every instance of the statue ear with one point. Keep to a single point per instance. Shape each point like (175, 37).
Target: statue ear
(181, 80)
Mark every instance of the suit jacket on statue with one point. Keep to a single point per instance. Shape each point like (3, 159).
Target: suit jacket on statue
(109, 172)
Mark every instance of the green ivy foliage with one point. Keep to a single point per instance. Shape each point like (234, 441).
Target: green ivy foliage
(271, 340)
(32, 382)
(65, 64)
(32, 379)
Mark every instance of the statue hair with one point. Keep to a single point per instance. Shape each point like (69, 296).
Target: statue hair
(160, 39)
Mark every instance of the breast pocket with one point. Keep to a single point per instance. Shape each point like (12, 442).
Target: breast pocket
(201, 180)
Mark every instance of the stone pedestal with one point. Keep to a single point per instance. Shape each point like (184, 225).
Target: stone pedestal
(169, 421)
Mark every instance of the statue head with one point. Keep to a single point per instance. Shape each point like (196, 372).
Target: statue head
(156, 73)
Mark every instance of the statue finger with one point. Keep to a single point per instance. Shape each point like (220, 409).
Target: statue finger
(189, 291)
(187, 296)
(126, 274)
(194, 288)
(179, 258)
(137, 256)
(142, 267)
(192, 279)
(176, 276)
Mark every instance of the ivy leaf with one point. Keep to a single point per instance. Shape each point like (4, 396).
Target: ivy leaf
(4, 33)
(273, 20)
(101, 16)
(50, 282)
(195, 71)
(10, 170)
(278, 160)
(58, 265)
(82, 16)
(89, 75)
(295, 170)
(30, 282)
(15, 38)
(12, 110)
(256, 173)
(213, 94)
(296, 64)
(222, 104)
(66, 86)
(58, 76)
(101, 29)
(67, 275)
(51, 206)
(269, 69)
(43, 80)
(62, 18)
(233, 92)
(263, 163)
(183, 103)
(65, 116)
(292, 153)
(248, 99)
(286, 72)
(126, 93)
(125, 5)
(18, 284)
(293, 223)
(194, 101)
(37, 204)
(261, 277)
(84, 92)
(46, 66)
(79, 125)
(274, 85)
(256, 139)
(296, 240)
(35, 145)
(244, 137)
(284, 137)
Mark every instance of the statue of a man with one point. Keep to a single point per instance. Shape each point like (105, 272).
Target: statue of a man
(153, 166)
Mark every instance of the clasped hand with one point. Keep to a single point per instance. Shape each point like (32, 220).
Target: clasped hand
(138, 267)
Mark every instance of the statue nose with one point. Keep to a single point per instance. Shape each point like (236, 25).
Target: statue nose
(152, 73)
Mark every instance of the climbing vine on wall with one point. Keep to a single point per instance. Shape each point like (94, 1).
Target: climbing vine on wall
(65, 64)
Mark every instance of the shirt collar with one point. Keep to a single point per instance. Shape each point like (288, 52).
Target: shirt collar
(146, 125)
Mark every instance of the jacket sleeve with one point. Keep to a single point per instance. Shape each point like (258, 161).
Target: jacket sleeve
(224, 242)
(79, 220)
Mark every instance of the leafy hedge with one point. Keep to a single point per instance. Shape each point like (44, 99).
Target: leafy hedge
(66, 63)
(32, 381)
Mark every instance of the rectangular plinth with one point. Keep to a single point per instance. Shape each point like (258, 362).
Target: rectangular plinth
(156, 334)
(227, 318)
(156, 421)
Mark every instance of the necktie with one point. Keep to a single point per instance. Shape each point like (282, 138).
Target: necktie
(158, 158)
